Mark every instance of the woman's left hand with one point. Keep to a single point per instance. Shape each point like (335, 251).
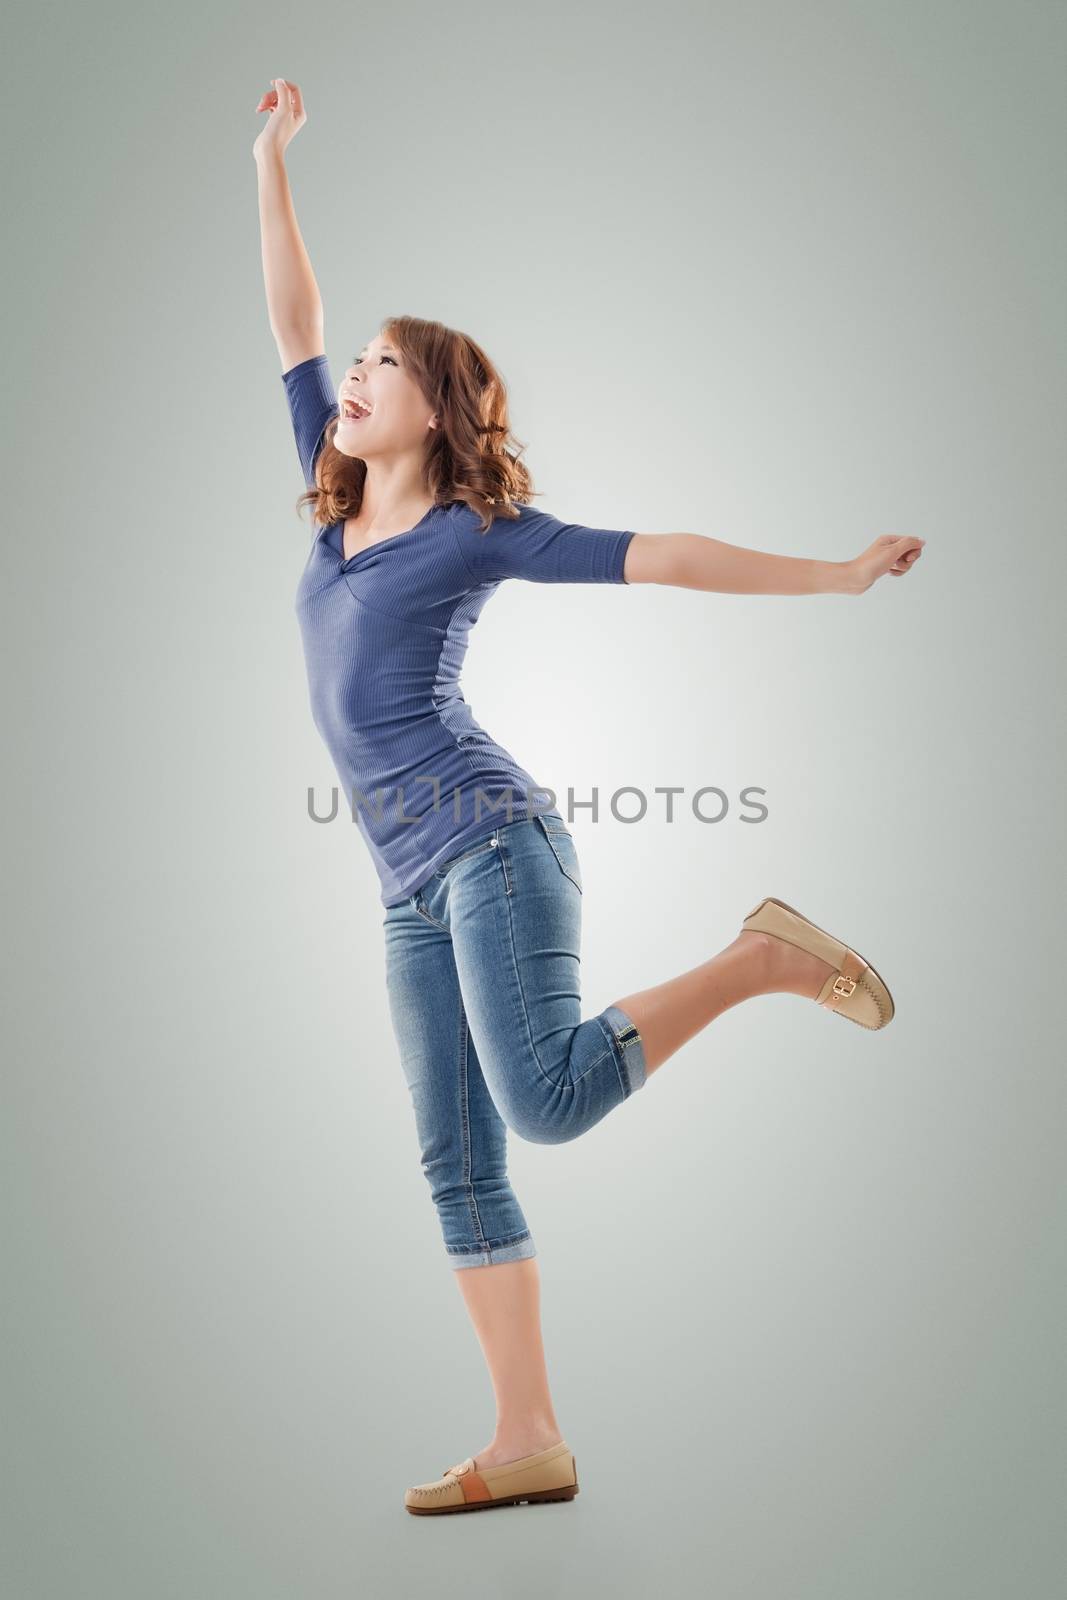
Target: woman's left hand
(892, 553)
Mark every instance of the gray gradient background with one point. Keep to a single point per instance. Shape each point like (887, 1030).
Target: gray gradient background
(803, 1296)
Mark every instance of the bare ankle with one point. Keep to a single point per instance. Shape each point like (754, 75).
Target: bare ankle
(764, 955)
(786, 969)
(527, 1435)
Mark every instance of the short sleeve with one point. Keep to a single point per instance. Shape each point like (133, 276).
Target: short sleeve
(312, 404)
(542, 549)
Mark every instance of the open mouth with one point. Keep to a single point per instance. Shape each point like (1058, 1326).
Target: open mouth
(354, 410)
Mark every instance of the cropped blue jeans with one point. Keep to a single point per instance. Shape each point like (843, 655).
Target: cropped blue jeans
(482, 969)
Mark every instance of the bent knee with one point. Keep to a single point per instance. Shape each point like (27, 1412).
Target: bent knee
(551, 1126)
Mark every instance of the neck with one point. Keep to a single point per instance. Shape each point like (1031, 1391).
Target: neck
(394, 496)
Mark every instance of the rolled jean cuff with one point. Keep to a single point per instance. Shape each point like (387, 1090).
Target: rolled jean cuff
(621, 1033)
(491, 1254)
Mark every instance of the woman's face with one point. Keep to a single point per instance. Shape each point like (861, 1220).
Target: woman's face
(399, 417)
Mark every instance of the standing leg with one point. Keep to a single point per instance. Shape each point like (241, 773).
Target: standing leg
(463, 1145)
(504, 1304)
(461, 1135)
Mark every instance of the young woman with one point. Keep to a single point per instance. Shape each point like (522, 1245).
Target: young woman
(422, 511)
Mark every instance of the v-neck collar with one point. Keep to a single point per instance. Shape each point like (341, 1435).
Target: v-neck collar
(348, 561)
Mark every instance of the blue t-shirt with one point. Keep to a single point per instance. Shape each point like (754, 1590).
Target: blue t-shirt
(385, 634)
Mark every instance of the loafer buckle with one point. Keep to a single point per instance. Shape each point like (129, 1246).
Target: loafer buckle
(839, 985)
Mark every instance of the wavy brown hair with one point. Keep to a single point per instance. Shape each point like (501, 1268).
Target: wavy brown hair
(473, 454)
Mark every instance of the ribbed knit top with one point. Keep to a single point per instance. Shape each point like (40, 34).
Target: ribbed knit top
(385, 634)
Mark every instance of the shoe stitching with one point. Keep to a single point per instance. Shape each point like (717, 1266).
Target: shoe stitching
(873, 993)
(862, 981)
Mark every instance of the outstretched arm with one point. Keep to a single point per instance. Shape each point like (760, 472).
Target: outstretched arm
(293, 303)
(696, 561)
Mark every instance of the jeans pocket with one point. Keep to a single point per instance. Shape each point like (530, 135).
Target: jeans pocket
(563, 848)
(464, 855)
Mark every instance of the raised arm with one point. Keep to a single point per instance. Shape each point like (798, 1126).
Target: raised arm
(293, 302)
(696, 561)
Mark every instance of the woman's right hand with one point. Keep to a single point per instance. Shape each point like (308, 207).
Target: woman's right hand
(285, 104)
(892, 553)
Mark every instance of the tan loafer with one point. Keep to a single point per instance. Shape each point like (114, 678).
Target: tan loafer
(853, 990)
(551, 1474)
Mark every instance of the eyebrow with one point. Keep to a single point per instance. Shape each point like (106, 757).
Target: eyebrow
(366, 347)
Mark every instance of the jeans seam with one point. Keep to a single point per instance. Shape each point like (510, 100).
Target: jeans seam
(594, 1063)
(488, 1244)
(472, 1199)
(550, 834)
(453, 861)
(621, 1040)
(620, 1069)
(570, 1084)
(422, 911)
(614, 1051)
(556, 833)
(522, 1001)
